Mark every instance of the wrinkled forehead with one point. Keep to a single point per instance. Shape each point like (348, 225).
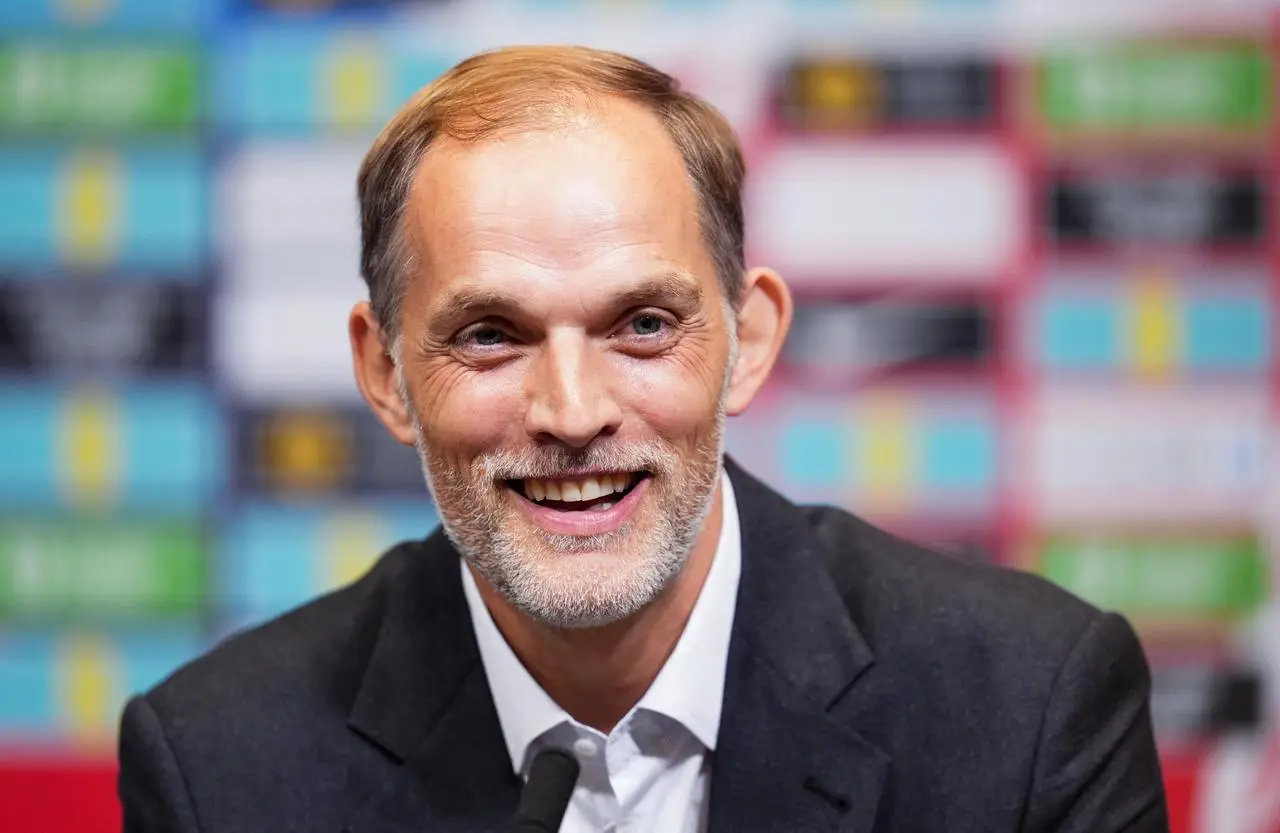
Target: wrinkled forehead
(606, 189)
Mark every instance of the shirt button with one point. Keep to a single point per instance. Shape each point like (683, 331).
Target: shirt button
(585, 747)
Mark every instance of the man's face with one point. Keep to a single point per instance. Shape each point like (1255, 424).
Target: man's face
(564, 355)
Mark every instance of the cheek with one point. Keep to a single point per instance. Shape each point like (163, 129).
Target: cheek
(468, 413)
(673, 398)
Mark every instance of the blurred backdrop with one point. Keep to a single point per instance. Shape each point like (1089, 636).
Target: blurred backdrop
(1033, 246)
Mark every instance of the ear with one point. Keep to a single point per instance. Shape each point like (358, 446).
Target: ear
(764, 317)
(376, 373)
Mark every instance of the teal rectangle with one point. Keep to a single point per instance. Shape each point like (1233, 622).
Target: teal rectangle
(28, 446)
(167, 210)
(171, 454)
(151, 656)
(31, 666)
(814, 454)
(413, 71)
(1217, 331)
(1079, 332)
(1227, 333)
(266, 80)
(177, 451)
(26, 667)
(108, 16)
(959, 455)
(274, 79)
(160, 212)
(269, 555)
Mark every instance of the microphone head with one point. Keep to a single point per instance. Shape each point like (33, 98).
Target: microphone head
(552, 777)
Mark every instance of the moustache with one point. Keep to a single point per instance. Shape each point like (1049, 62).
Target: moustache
(558, 462)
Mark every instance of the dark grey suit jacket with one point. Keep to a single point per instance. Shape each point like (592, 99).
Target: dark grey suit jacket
(871, 686)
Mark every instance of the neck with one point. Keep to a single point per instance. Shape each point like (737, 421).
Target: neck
(598, 674)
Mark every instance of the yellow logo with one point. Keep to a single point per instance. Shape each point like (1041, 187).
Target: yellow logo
(1155, 336)
(838, 94)
(88, 688)
(89, 208)
(90, 448)
(353, 541)
(306, 452)
(355, 84)
(886, 452)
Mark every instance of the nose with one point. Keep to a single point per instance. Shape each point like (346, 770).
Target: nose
(570, 393)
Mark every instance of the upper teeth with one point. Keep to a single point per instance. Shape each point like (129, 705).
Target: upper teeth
(585, 488)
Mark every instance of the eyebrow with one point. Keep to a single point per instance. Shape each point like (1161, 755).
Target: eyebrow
(673, 288)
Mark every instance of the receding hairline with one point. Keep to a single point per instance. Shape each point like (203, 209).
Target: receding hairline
(585, 112)
(491, 96)
(574, 94)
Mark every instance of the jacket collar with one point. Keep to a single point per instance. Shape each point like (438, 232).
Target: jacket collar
(424, 651)
(425, 701)
(782, 761)
(790, 614)
(785, 761)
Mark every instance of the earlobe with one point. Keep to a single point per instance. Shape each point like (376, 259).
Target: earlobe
(375, 373)
(764, 317)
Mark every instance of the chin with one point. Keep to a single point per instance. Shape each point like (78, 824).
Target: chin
(593, 584)
(593, 607)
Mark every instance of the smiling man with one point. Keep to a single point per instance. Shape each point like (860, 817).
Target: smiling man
(560, 322)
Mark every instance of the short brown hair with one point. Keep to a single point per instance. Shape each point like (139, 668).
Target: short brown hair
(518, 87)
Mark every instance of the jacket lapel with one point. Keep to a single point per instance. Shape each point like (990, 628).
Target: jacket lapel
(425, 701)
(782, 760)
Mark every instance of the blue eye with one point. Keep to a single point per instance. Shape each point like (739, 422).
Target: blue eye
(647, 325)
(486, 337)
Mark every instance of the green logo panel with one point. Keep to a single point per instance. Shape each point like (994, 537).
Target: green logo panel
(107, 570)
(1151, 86)
(107, 89)
(1158, 577)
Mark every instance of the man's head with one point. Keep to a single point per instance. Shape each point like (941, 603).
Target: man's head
(560, 319)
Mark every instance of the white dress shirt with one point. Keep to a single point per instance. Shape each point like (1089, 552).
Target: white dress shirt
(651, 774)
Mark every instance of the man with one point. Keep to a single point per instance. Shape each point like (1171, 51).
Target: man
(559, 322)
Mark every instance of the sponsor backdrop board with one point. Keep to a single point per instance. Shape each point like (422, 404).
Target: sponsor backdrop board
(1037, 283)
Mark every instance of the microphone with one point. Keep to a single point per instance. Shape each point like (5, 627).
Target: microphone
(546, 794)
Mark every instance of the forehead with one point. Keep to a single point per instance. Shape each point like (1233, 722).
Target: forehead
(599, 194)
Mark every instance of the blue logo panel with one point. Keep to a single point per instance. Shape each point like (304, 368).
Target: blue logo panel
(142, 208)
(74, 685)
(1079, 332)
(1228, 333)
(300, 79)
(1209, 328)
(107, 16)
(959, 454)
(139, 447)
(276, 556)
(813, 455)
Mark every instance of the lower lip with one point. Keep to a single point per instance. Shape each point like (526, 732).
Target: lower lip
(587, 521)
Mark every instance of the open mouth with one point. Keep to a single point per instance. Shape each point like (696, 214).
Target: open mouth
(578, 494)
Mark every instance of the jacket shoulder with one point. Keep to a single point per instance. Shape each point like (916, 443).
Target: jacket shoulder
(894, 588)
(315, 650)
(254, 735)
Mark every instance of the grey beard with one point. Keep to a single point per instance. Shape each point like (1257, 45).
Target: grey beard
(556, 586)
(545, 584)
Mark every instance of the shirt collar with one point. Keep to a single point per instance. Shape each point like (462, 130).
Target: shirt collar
(688, 689)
